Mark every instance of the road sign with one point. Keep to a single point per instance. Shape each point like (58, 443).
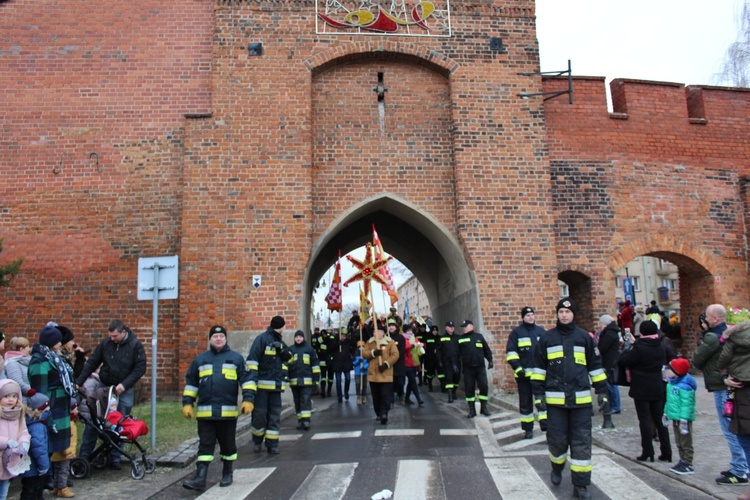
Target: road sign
(168, 277)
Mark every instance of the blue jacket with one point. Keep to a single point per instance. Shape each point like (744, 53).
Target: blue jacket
(37, 447)
(681, 398)
(361, 365)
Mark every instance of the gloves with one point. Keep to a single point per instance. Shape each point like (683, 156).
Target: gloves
(382, 367)
(603, 403)
(12, 443)
(187, 411)
(540, 405)
(247, 407)
(377, 352)
(277, 345)
(684, 428)
(664, 421)
(490, 365)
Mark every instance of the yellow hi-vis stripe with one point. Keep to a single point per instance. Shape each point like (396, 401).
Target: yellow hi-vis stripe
(558, 460)
(598, 375)
(555, 352)
(580, 465)
(579, 355)
(583, 397)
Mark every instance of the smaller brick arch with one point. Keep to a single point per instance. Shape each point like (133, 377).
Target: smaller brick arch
(692, 258)
(580, 292)
(382, 49)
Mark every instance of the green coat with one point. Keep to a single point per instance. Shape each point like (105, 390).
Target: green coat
(735, 355)
(706, 359)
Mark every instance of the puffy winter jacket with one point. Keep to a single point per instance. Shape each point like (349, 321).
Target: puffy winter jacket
(519, 351)
(121, 362)
(681, 398)
(304, 368)
(214, 379)
(267, 363)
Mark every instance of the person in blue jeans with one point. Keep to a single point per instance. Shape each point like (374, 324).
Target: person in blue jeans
(608, 342)
(706, 358)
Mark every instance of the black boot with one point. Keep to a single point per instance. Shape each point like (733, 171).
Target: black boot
(608, 422)
(581, 492)
(556, 476)
(226, 474)
(472, 411)
(484, 410)
(198, 481)
(450, 395)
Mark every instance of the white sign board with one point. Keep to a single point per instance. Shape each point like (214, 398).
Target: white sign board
(256, 281)
(168, 277)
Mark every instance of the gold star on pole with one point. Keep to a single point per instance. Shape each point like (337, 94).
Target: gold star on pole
(368, 270)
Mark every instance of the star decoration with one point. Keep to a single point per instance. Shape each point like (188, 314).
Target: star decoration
(368, 269)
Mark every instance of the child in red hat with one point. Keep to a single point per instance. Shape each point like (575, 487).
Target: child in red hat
(680, 409)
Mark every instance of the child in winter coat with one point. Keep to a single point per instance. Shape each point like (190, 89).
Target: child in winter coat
(361, 365)
(61, 459)
(14, 436)
(34, 479)
(680, 409)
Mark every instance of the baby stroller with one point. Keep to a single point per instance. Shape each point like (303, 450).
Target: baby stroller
(116, 431)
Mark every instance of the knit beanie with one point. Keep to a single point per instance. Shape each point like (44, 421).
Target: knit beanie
(277, 322)
(648, 327)
(606, 319)
(10, 387)
(37, 400)
(526, 310)
(299, 333)
(566, 303)
(216, 329)
(67, 334)
(680, 366)
(50, 336)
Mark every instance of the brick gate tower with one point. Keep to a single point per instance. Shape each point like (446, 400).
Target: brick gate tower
(259, 137)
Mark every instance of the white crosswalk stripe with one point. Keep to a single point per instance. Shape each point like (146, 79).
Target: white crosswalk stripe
(245, 482)
(515, 478)
(334, 479)
(618, 483)
(336, 435)
(419, 480)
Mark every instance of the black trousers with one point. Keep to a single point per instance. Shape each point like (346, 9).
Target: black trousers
(570, 428)
(382, 395)
(398, 385)
(475, 377)
(210, 431)
(430, 368)
(452, 376)
(266, 421)
(302, 404)
(526, 403)
(411, 385)
(649, 413)
(33, 487)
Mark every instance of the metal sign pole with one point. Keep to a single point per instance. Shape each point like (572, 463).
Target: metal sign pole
(155, 327)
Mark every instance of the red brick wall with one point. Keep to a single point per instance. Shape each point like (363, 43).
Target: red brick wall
(277, 148)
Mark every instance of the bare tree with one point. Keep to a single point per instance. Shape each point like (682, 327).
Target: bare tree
(735, 68)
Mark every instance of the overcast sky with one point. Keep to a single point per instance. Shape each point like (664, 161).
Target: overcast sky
(663, 40)
(680, 41)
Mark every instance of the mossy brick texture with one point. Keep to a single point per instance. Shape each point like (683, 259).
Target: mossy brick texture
(136, 130)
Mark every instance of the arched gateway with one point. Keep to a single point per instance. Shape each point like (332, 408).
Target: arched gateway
(267, 135)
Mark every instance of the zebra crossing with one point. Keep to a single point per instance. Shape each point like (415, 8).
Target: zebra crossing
(514, 478)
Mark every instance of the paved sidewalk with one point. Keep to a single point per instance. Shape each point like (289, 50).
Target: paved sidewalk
(711, 451)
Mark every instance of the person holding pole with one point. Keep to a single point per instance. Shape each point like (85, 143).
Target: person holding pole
(122, 359)
(382, 353)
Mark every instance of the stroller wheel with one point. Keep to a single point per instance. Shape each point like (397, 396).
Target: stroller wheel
(79, 468)
(137, 470)
(149, 464)
(100, 460)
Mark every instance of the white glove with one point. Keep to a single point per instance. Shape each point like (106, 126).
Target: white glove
(12, 443)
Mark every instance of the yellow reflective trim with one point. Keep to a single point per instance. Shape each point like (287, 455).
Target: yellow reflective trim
(558, 460)
(599, 378)
(579, 358)
(524, 342)
(205, 371)
(229, 457)
(512, 355)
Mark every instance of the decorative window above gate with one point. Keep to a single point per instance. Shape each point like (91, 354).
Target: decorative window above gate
(383, 17)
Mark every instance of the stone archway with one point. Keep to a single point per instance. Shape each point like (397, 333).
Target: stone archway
(418, 240)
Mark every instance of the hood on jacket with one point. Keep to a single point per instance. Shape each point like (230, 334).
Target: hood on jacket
(740, 334)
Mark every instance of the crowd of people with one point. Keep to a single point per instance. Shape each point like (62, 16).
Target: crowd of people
(44, 385)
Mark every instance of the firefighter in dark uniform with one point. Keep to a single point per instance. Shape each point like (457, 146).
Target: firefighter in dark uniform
(431, 342)
(519, 353)
(304, 373)
(326, 368)
(566, 365)
(214, 379)
(268, 372)
(447, 353)
(473, 350)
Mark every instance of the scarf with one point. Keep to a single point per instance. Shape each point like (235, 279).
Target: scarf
(63, 369)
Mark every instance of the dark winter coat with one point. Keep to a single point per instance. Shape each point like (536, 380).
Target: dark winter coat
(740, 423)
(609, 346)
(519, 351)
(304, 367)
(121, 362)
(706, 358)
(566, 366)
(267, 362)
(214, 379)
(473, 350)
(735, 355)
(447, 352)
(342, 356)
(399, 368)
(645, 360)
